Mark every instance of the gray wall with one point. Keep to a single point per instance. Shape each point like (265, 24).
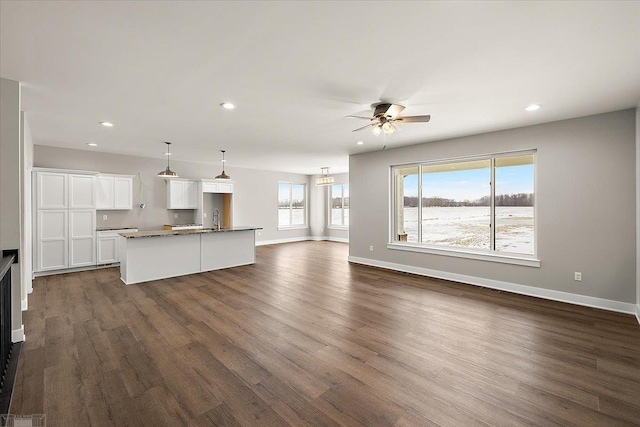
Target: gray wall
(255, 196)
(319, 196)
(638, 211)
(585, 205)
(10, 207)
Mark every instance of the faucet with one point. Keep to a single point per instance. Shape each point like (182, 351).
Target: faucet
(216, 219)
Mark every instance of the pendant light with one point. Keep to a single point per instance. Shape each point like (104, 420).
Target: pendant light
(325, 179)
(167, 173)
(223, 175)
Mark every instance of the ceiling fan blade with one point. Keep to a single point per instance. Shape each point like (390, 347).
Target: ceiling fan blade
(358, 117)
(363, 127)
(413, 119)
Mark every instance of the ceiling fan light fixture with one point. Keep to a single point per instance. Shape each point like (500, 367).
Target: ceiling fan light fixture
(167, 173)
(325, 178)
(223, 161)
(377, 130)
(388, 128)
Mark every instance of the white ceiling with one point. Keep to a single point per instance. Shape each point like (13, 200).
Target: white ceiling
(159, 71)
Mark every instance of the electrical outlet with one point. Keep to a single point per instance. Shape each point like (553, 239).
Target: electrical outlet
(175, 215)
(205, 214)
(371, 248)
(577, 276)
(104, 217)
(259, 233)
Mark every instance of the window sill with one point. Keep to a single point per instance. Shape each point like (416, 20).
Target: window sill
(337, 227)
(460, 253)
(293, 227)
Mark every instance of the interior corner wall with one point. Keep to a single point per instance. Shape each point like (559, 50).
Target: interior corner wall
(638, 211)
(585, 199)
(255, 197)
(10, 208)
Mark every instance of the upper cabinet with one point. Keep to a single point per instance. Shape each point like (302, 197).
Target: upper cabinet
(182, 194)
(52, 190)
(115, 192)
(59, 190)
(217, 187)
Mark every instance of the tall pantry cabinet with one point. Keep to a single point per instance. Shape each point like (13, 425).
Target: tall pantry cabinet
(65, 220)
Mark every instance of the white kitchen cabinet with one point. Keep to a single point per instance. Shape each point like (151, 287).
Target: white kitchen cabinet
(52, 239)
(82, 192)
(108, 243)
(52, 190)
(64, 220)
(182, 194)
(115, 192)
(82, 237)
(217, 187)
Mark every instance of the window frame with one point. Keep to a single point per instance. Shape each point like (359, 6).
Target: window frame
(305, 203)
(330, 207)
(530, 260)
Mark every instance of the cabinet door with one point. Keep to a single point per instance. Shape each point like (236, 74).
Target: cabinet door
(104, 192)
(191, 195)
(82, 237)
(225, 188)
(123, 189)
(52, 241)
(107, 249)
(82, 192)
(209, 187)
(175, 195)
(52, 190)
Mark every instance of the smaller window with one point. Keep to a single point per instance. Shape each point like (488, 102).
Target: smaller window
(292, 205)
(339, 205)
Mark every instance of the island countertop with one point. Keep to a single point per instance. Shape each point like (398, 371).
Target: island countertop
(163, 233)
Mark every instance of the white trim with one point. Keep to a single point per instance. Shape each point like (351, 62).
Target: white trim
(71, 171)
(459, 253)
(638, 313)
(549, 294)
(303, 239)
(278, 241)
(25, 304)
(17, 335)
(293, 227)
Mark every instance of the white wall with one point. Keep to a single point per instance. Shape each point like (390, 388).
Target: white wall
(26, 150)
(255, 196)
(10, 208)
(585, 207)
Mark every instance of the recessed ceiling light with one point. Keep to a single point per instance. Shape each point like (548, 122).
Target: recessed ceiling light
(92, 144)
(167, 154)
(533, 107)
(227, 106)
(359, 143)
(107, 124)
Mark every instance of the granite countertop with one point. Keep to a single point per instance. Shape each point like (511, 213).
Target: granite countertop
(183, 225)
(116, 227)
(162, 233)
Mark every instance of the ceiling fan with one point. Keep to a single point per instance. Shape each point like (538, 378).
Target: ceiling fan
(385, 117)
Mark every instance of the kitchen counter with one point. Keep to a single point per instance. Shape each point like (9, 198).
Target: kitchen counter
(116, 227)
(164, 233)
(144, 257)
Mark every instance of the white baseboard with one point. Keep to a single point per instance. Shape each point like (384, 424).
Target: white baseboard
(638, 313)
(278, 241)
(25, 304)
(301, 239)
(17, 335)
(549, 294)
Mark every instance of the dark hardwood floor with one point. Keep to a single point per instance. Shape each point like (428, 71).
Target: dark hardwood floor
(304, 338)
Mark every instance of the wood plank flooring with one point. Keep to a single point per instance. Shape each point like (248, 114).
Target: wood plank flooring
(305, 338)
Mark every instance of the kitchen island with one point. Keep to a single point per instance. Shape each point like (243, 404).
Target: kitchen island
(154, 255)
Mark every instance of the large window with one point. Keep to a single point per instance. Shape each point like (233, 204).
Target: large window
(339, 202)
(292, 205)
(480, 204)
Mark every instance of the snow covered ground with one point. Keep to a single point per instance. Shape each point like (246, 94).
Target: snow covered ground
(468, 227)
